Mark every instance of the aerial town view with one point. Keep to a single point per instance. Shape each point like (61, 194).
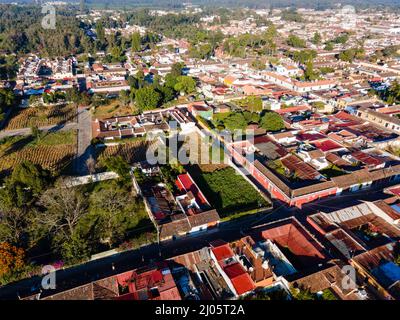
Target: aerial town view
(213, 150)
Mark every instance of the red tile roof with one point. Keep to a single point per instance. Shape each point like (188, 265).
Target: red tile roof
(326, 145)
(395, 191)
(310, 136)
(243, 284)
(186, 182)
(234, 270)
(222, 252)
(366, 158)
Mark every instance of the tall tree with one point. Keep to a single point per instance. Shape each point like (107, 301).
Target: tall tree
(147, 98)
(12, 259)
(272, 121)
(136, 42)
(185, 84)
(64, 207)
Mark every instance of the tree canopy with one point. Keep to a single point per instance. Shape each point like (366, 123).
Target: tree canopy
(272, 121)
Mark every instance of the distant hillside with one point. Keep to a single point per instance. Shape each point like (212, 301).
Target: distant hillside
(171, 4)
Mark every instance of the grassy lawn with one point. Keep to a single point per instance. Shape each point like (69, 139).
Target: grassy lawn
(57, 138)
(228, 192)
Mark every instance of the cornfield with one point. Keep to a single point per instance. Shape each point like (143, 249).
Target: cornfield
(53, 158)
(131, 152)
(41, 116)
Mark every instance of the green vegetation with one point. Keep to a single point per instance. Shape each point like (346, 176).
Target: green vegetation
(260, 44)
(185, 84)
(316, 39)
(235, 120)
(329, 46)
(327, 294)
(332, 171)
(21, 32)
(8, 67)
(341, 39)
(351, 54)
(309, 73)
(274, 294)
(227, 191)
(258, 65)
(303, 56)
(151, 96)
(42, 215)
(271, 121)
(392, 94)
(319, 105)
(326, 70)
(54, 138)
(7, 100)
(296, 42)
(302, 294)
(291, 15)
(147, 98)
(250, 103)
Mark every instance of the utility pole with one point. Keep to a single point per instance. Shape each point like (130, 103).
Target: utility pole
(158, 240)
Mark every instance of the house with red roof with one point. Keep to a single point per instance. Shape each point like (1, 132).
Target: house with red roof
(148, 284)
(238, 280)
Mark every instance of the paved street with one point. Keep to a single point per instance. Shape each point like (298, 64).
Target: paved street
(85, 149)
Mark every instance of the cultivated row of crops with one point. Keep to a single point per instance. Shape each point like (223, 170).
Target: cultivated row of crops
(41, 116)
(53, 158)
(131, 151)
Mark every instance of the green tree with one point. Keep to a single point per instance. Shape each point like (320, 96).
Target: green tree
(147, 98)
(309, 73)
(118, 165)
(296, 42)
(302, 294)
(25, 184)
(176, 69)
(124, 97)
(341, 39)
(329, 46)
(114, 212)
(36, 133)
(168, 94)
(235, 121)
(75, 250)
(73, 95)
(136, 42)
(170, 80)
(185, 84)
(316, 38)
(272, 121)
(7, 99)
